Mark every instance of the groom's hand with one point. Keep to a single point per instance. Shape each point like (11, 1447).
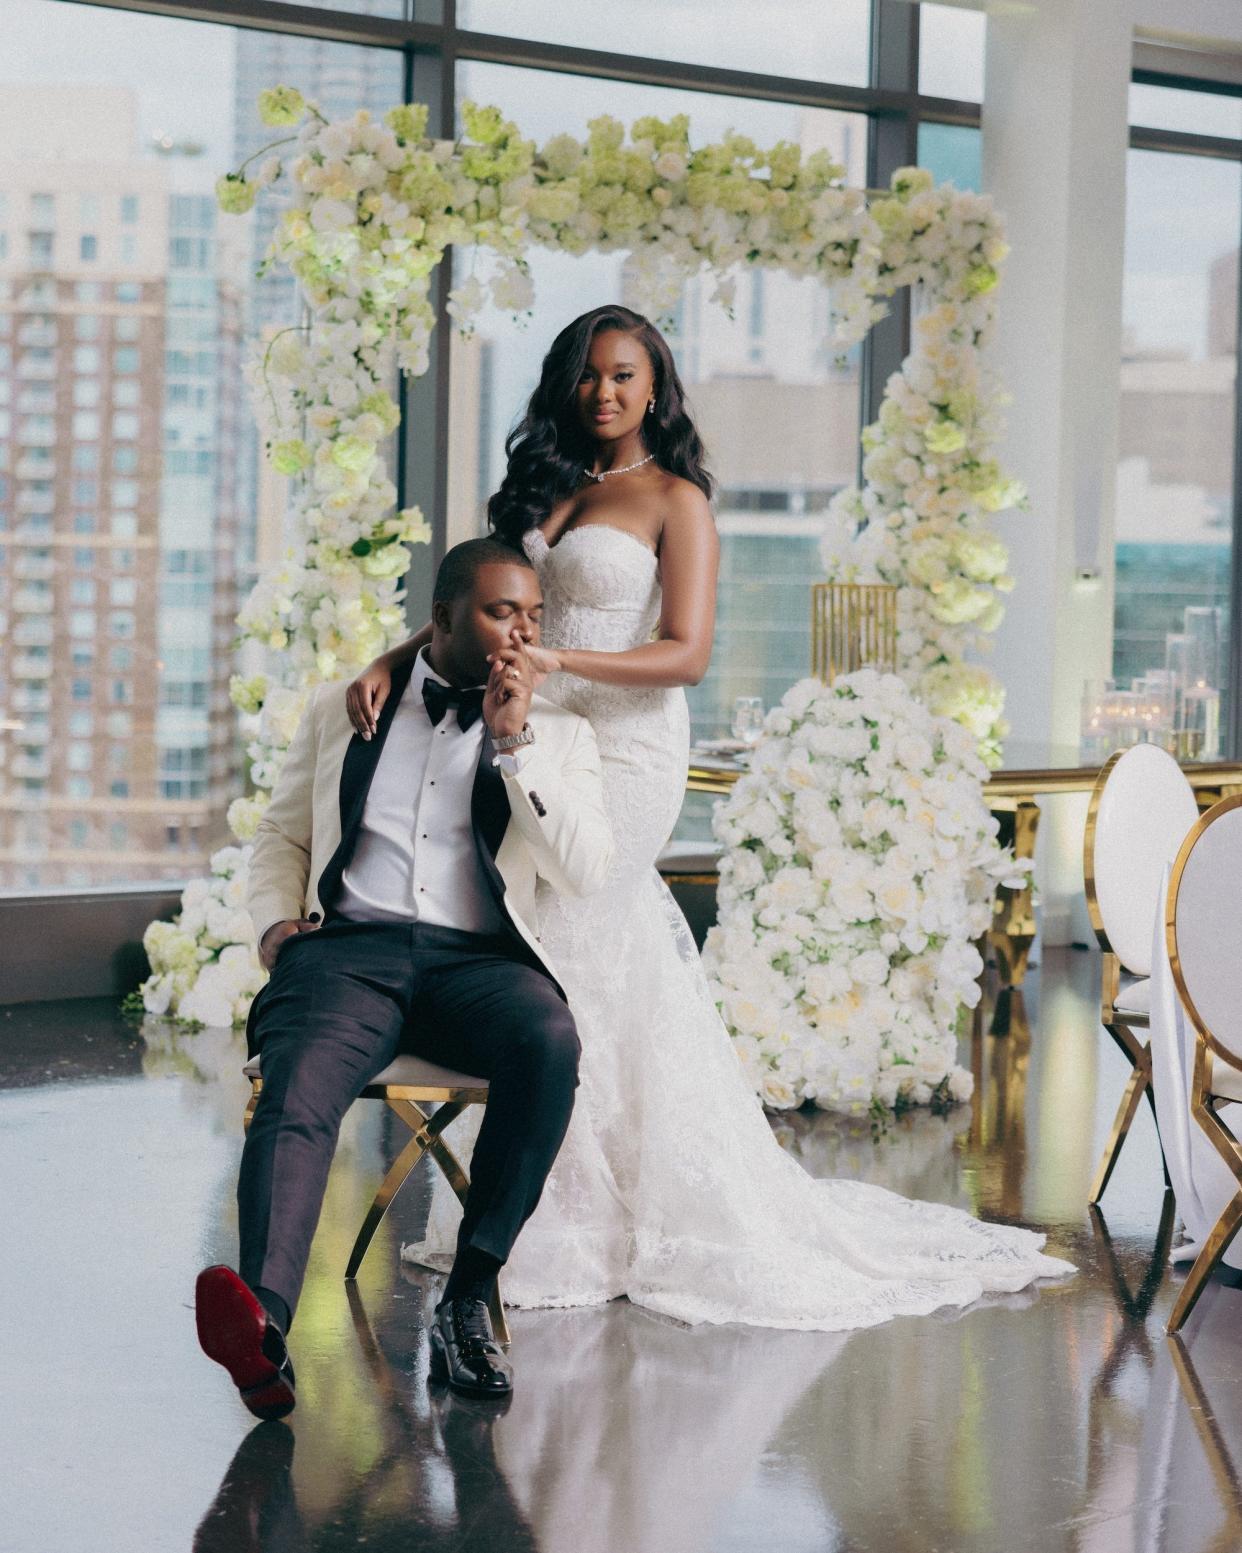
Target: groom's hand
(510, 685)
(269, 946)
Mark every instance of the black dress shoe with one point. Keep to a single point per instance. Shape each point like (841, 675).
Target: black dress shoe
(234, 1330)
(464, 1354)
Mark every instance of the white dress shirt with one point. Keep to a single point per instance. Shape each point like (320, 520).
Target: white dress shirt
(415, 858)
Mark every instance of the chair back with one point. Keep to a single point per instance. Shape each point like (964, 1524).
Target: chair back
(1203, 926)
(1141, 809)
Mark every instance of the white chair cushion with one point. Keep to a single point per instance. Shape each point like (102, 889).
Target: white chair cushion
(1226, 1079)
(1145, 811)
(1134, 996)
(1209, 928)
(414, 1072)
(690, 857)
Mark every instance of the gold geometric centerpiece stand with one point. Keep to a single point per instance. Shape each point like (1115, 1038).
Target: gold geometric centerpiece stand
(853, 626)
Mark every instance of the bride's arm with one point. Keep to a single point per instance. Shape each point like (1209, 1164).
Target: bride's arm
(689, 564)
(366, 695)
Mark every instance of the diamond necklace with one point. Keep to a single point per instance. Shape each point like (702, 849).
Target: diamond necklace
(604, 473)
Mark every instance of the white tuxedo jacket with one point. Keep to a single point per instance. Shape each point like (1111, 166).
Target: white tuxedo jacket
(548, 821)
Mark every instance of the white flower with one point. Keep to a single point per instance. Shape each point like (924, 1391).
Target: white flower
(907, 849)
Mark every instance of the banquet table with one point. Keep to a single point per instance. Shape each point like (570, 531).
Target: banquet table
(1013, 793)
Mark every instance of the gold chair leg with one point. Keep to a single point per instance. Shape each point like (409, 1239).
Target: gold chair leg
(460, 1183)
(1132, 1095)
(256, 1086)
(389, 1187)
(1214, 1247)
(426, 1135)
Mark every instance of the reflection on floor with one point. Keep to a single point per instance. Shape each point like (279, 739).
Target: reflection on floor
(1058, 1419)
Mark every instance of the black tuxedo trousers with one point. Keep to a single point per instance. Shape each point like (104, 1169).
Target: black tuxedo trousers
(342, 1002)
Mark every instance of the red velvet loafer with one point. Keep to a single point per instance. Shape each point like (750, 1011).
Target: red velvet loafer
(234, 1330)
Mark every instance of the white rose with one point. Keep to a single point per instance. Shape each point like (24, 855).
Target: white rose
(870, 969)
(157, 993)
(777, 1093)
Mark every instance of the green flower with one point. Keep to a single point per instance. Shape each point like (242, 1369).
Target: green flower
(353, 453)
(290, 458)
(981, 279)
(486, 126)
(944, 437)
(391, 561)
(382, 404)
(409, 122)
(561, 155)
(908, 181)
(234, 195)
(605, 134)
(247, 695)
(281, 105)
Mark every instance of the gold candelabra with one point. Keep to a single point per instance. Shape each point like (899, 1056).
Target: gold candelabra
(853, 626)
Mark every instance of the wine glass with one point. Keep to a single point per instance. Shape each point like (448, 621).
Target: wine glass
(747, 724)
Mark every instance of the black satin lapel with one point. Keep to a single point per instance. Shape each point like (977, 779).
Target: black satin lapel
(489, 813)
(357, 774)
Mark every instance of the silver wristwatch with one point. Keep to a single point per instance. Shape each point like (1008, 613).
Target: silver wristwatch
(513, 741)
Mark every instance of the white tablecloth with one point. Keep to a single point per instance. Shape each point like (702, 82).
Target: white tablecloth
(1201, 1180)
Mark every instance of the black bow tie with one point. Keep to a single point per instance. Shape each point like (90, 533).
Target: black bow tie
(438, 699)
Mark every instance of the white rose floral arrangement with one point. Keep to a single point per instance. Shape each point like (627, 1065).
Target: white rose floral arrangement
(204, 967)
(371, 210)
(859, 868)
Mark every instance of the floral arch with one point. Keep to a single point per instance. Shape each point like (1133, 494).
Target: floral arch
(373, 208)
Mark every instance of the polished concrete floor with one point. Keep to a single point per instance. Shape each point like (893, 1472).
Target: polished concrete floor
(1058, 1419)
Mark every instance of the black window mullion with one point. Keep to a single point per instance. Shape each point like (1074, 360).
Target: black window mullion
(423, 453)
(892, 142)
(1233, 704)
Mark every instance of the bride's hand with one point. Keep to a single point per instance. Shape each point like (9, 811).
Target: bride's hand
(541, 661)
(364, 700)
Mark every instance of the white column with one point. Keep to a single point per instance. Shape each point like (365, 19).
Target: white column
(1054, 159)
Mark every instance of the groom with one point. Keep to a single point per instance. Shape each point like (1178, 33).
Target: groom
(419, 849)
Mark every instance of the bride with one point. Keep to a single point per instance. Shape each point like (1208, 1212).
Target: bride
(670, 1187)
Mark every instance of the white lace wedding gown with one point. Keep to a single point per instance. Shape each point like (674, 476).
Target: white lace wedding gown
(670, 1187)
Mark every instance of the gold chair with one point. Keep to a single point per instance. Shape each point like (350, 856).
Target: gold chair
(1203, 928)
(405, 1086)
(1141, 809)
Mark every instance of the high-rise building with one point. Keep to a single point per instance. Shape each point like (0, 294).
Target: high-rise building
(103, 505)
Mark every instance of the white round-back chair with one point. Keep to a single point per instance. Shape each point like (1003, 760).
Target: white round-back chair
(1203, 924)
(1141, 809)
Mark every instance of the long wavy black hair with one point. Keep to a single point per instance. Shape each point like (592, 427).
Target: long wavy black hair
(549, 448)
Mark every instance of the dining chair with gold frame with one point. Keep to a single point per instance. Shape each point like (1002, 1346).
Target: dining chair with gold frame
(1203, 928)
(1140, 811)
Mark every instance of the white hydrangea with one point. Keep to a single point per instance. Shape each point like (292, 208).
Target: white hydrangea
(860, 867)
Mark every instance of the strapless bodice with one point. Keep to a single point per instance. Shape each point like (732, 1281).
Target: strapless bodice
(601, 587)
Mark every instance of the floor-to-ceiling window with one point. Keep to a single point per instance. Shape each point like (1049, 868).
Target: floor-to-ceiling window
(134, 506)
(1175, 480)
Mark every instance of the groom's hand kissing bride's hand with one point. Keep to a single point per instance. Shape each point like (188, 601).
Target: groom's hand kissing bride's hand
(510, 685)
(541, 661)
